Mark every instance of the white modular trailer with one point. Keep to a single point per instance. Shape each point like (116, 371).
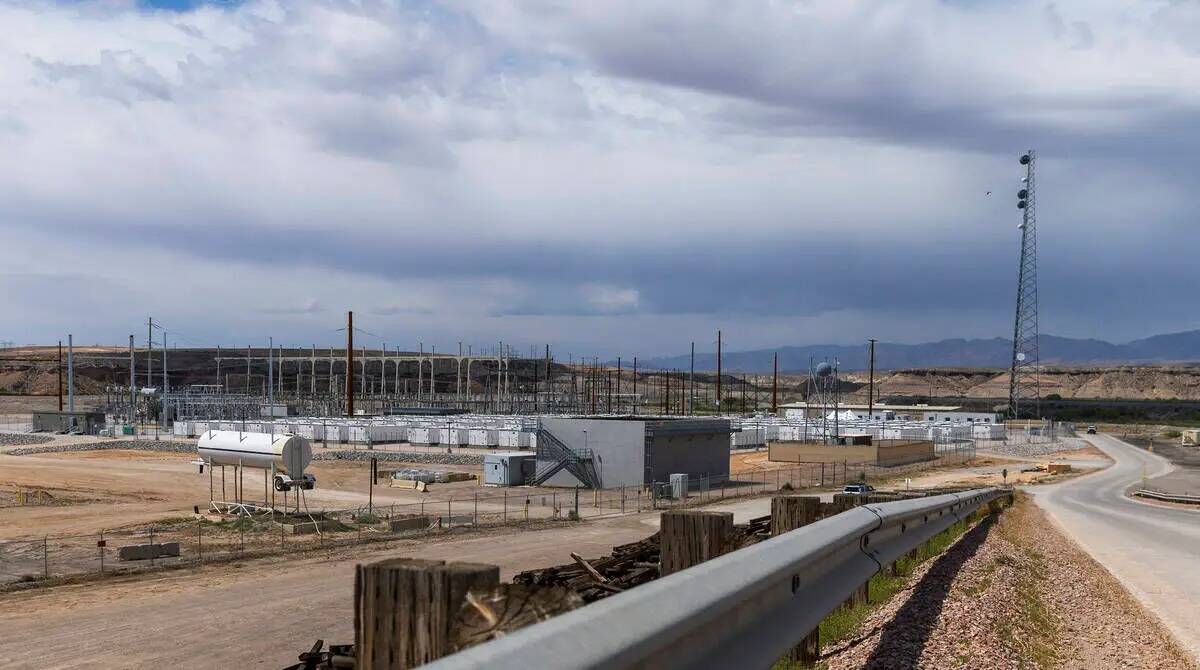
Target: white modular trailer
(748, 437)
(453, 436)
(384, 433)
(514, 439)
(988, 431)
(309, 431)
(483, 437)
(507, 469)
(335, 433)
(424, 435)
(287, 454)
(180, 429)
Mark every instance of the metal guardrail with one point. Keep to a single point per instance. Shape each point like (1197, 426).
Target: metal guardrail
(745, 609)
(1168, 497)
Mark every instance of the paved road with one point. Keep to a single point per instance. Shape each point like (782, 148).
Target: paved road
(1154, 551)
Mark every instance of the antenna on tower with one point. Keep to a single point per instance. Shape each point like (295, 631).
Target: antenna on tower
(1024, 386)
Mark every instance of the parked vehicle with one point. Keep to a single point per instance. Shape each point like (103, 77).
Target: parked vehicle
(858, 489)
(1091, 430)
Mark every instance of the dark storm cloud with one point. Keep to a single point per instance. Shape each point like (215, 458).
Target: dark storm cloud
(630, 160)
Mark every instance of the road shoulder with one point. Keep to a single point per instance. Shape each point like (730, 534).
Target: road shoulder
(1015, 594)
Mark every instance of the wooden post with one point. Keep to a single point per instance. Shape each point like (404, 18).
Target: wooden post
(690, 537)
(404, 609)
(789, 513)
(792, 512)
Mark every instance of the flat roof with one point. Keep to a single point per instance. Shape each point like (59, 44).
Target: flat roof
(879, 405)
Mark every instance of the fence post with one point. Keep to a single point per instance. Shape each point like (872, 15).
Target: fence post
(505, 506)
(789, 513)
(622, 499)
(152, 551)
(449, 513)
(475, 513)
(100, 545)
(46, 555)
(690, 537)
(404, 609)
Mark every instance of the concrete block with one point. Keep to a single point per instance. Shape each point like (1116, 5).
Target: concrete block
(409, 523)
(308, 527)
(145, 552)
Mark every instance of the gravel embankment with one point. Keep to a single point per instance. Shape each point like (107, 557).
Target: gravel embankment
(137, 445)
(1016, 595)
(1024, 450)
(22, 439)
(400, 457)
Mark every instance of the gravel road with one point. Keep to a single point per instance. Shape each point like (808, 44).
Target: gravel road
(1151, 549)
(1014, 594)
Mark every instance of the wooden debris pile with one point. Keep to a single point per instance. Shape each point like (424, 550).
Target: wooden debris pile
(628, 566)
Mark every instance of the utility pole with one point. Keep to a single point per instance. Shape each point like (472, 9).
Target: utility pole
(692, 382)
(618, 382)
(150, 352)
(350, 363)
(164, 380)
(70, 373)
(775, 387)
(271, 376)
(635, 395)
(871, 384)
(718, 372)
(132, 384)
(60, 385)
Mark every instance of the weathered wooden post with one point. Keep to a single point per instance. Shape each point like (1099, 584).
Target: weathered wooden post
(404, 608)
(789, 513)
(690, 537)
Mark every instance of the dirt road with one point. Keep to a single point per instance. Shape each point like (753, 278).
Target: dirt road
(258, 614)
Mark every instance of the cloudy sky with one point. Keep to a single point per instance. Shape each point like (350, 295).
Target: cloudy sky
(615, 177)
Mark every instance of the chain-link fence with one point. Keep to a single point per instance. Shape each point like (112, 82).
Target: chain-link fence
(190, 540)
(16, 423)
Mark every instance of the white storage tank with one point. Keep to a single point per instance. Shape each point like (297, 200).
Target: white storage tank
(289, 454)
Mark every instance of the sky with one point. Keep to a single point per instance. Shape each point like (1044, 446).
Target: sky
(610, 178)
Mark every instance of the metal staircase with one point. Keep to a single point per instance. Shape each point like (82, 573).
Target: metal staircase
(553, 456)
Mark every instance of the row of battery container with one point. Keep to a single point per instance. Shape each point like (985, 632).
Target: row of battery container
(365, 433)
(521, 433)
(758, 434)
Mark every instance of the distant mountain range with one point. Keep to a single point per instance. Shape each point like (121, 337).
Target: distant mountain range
(993, 353)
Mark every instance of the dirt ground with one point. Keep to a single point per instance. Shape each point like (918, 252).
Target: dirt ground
(24, 404)
(754, 461)
(259, 614)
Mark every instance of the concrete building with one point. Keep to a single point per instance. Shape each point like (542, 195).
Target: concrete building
(638, 451)
(88, 423)
(885, 412)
